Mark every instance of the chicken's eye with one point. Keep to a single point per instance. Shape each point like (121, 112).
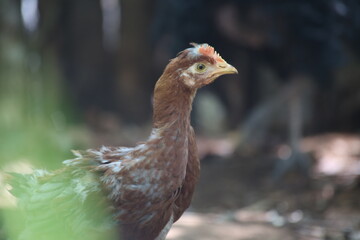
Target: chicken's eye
(200, 67)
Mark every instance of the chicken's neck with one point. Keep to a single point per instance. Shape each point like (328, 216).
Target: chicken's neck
(171, 128)
(172, 107)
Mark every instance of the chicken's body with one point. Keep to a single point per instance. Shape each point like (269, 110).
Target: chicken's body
(149, 186)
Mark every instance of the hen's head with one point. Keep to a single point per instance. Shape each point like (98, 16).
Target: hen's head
(197, 66)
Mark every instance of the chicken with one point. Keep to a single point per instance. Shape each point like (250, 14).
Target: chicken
(144, 189)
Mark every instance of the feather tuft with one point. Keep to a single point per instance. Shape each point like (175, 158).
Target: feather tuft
(206, 50)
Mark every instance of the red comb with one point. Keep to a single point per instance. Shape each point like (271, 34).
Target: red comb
(207, 50)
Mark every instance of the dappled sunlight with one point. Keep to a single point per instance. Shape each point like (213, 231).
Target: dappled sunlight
(335, 154)
(30, 14)
(197, 226)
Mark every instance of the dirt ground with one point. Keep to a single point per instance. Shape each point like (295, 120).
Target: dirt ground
(213, 227)
(237, 198)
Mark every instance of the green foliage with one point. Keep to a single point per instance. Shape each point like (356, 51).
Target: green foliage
(32, 125)
(58, 223)
(34, 130)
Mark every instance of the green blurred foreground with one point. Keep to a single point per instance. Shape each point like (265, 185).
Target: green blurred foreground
(34, 133)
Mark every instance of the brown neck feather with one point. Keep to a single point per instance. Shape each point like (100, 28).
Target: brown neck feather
(172, 102)
(172, 107)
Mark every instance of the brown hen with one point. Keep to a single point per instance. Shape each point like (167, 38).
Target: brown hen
(149, 186)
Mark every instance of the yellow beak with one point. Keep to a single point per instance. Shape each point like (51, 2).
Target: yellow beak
(224, 68)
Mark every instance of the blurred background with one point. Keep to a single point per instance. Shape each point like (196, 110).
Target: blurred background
(279, 143)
